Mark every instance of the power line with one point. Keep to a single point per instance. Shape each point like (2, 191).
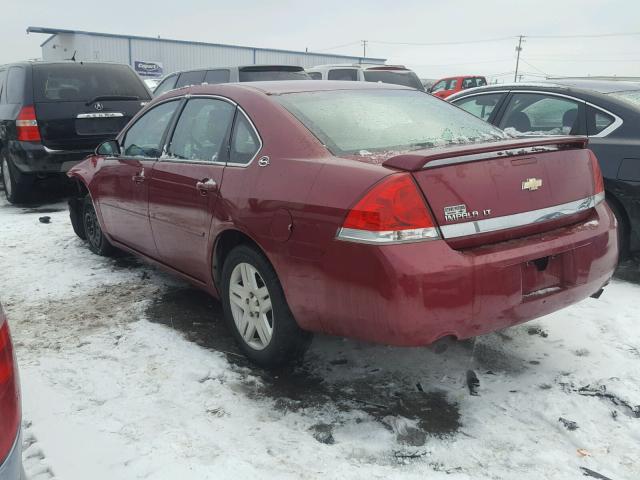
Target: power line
(593, 35)
(337, 46)
(534, 67)
(430, 44)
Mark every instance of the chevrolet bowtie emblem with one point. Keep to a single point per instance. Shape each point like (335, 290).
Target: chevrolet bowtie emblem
(532, 184)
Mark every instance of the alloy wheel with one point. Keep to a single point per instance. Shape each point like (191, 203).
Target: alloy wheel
(251, 306)
(92, 227)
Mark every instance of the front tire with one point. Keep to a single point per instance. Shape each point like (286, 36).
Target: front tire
(96, 239)
(16, 185)
(257, 312)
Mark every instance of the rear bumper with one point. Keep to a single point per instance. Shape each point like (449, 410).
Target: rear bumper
(32, 157)
(413, 294)
(12, 469)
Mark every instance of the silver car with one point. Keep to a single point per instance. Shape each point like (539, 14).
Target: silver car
(10, 409)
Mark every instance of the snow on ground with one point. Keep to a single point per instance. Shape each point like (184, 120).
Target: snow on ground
(129, 373)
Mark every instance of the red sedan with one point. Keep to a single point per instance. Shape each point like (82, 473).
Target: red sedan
(365, 210)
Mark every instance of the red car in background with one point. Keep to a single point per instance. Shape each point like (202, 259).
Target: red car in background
(450, 85)
(10, 411)
(365, 210)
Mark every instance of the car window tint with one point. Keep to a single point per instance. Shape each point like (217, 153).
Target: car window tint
(202, 131)
(261, 74)
(245, 143)
(217, 76)
(166, 85)
(480, 105)
(350, 74)
(598, 121)
(400, 77)
(144, 138)
(539, 113)
(315, 75)
(190, 78)
(468, 83)
(481, 82)
(82, 82)
(452, 84)
(389, 120)
(15, 85)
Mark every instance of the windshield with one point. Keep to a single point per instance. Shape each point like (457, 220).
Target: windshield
(364, 121)
(631, 96)
(73, 82)
(267, 75)
(398, 77)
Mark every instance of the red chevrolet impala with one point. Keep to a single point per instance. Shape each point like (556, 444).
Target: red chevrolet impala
(365, 210)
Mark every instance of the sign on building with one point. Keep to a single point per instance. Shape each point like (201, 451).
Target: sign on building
(148, 69)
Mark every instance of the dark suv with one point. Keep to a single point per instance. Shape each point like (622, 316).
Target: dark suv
(53, 114)
(250, 73)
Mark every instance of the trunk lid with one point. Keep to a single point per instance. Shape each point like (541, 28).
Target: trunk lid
(484, 193)
(78, 105)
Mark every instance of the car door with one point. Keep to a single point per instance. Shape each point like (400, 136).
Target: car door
(184, 184)
(121, 184)
(543, 113)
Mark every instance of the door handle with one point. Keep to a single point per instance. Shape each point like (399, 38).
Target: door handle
(138, 178)
(206, 185)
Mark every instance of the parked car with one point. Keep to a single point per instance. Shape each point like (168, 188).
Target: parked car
(371, 211)
(152, 83)
(249, 73)
(52, 114)
(10, 410)
(363, 72)
(608, 112)
(448, 86)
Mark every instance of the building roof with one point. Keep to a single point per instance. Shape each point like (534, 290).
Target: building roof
(56, 31)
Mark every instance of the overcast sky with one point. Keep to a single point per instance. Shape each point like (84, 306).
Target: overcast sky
(296, 25)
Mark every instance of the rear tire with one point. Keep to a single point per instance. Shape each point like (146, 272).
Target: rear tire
(257, 312)
(16, 185)
(623, 229)
(96, 239)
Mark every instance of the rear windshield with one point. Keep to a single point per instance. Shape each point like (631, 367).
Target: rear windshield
(73, 82)
(398, 77)
(266, 75)
(376, 120)
(630, 96)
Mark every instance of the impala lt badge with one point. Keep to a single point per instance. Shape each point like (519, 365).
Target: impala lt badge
(532, 184)
(458, 212)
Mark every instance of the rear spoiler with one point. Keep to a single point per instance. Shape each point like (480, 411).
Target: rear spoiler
(438, 157)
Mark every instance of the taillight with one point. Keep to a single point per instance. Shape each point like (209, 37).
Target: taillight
(598, 181)
(27, 125)
(9, 395)
(393, 211)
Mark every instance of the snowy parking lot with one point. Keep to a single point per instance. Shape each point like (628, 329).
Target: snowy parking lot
(129, 373)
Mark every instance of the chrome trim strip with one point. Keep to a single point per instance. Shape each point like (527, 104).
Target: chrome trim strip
(387, 237)
(520, 219)
(100, 115)
(495, 154)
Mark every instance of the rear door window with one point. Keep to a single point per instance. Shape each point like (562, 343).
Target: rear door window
(398, 77)
(190, 78)
(350, 74)
(245, 142)
(482, 106)
(315, 75)
(540, 113)
(217, 76)
(167, 84)
(202, 131)
(145, 137)
(15, 85)
(82, 82)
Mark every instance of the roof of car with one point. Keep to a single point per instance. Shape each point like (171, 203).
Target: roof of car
(59, 62)
(297, 86)
(363, 66)
(567, 85)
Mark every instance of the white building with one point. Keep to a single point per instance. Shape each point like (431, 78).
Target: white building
(160, 56)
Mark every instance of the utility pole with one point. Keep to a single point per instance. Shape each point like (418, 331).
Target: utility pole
(518, 49)
(364, 48)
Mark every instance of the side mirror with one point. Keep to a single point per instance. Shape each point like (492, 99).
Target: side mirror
(108, 148)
